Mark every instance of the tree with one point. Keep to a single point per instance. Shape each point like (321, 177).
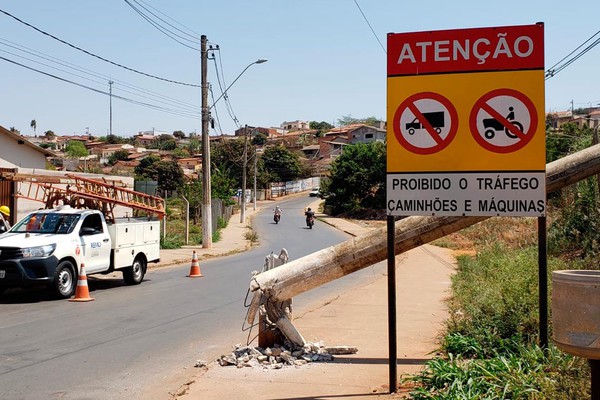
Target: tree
(194, 146)
(193, 193)
(358, 178)
(146, 170)
(228, 156)
(75, 149)
(320, 127)
(259, 139)
(180, 152)
(223, 185)
(119, 155)
(281, 164)
(179, 135)
(348, 120)
(169, 175)
(33, 124)
(49, 134)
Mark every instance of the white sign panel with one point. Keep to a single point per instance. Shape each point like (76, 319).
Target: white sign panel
(473, 194)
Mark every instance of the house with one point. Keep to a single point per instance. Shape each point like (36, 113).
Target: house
(253, 130)
(359, 133)
(18, 151)
(145, 140)
(20, 156)
(295, 125)
(106, 150)
(190, 164)
(556, 119)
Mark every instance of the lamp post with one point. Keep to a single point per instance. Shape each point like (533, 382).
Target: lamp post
(206, 183)
(259, 61)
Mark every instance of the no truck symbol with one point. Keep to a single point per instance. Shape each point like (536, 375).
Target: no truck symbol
(503, 120)
(425, 123)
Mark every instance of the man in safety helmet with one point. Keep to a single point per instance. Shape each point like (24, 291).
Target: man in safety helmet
(4, 214)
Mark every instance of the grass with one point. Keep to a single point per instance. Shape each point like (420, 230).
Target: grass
(489, 346)
(175, 237)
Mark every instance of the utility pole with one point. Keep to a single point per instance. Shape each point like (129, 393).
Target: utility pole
(206, 189)
(243, 206)
(572, 115)
(110, 83)
(255, 156)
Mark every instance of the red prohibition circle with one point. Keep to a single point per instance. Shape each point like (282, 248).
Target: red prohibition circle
(440, 143)
(482, 103)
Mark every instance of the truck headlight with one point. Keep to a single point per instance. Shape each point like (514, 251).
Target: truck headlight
(40, 251)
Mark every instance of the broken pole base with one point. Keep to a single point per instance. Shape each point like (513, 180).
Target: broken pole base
(268, 336)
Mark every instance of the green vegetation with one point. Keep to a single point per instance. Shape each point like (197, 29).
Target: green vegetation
(489, 347)
(75, 149)
(175, 237)
(357, 179)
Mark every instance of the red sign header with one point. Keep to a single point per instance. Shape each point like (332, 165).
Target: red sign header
(466, 50)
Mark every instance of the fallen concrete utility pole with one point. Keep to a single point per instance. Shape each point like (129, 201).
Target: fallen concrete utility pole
(326, 265)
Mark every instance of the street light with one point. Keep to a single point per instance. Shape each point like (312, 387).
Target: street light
(206, 182)
(259, 61)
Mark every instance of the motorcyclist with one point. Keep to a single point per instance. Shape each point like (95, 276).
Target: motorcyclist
(277, 214)
(310, 215)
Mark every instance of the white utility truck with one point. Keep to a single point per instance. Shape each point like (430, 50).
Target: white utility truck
(47, 248)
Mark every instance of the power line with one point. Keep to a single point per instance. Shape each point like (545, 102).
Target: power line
(94, 55)
(556, 68)
(161, 28)
(368, 23)
(35, 53)
(193, 34)
(155, 107)
(225, 95)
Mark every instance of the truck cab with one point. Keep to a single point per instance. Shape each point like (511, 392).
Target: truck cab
(48, 247)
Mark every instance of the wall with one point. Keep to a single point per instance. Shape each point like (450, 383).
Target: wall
(21, 154)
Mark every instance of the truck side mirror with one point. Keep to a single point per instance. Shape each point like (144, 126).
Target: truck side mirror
(87, 230)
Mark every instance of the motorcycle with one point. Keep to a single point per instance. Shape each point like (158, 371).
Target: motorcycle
(310, 221)
(276, 218)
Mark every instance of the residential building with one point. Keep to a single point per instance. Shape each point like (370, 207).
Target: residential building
(295, 125)
(18, 151)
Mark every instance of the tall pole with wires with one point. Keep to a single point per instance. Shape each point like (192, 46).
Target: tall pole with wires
(245, 165)
(206, 189)
(110, 83)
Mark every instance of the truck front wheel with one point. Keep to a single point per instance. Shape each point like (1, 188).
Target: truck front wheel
(134, 275)
(64, 280)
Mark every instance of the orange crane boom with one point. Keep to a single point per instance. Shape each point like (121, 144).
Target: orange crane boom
(80, 192)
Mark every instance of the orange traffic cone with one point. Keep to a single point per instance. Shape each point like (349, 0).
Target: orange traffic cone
(82, 293)
(195, 268)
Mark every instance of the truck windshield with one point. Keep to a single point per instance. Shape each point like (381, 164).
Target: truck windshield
(47, 223)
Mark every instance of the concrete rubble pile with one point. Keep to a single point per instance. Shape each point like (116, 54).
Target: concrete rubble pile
(282, 355)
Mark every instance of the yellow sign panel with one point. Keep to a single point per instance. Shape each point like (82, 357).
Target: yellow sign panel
(461, 122)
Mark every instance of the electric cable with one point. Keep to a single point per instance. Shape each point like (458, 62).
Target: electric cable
(55, 60)
(193, 38)
(368, 23)
(556, 68)
(94, 55)
(162, 29)
(225, 95)
(93, 80)
(152, 106)
(192, 34)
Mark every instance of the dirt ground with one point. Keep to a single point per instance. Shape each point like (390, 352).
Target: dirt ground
(358, 317)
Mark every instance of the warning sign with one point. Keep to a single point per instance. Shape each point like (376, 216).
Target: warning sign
(425, 123)
(503, 121)
(464, 131)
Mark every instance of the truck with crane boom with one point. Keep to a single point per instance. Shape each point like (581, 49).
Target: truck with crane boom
(78, 226)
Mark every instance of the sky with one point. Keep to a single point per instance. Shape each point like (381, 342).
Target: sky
(326, 60)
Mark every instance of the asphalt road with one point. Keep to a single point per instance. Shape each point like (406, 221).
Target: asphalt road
(143, 341)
